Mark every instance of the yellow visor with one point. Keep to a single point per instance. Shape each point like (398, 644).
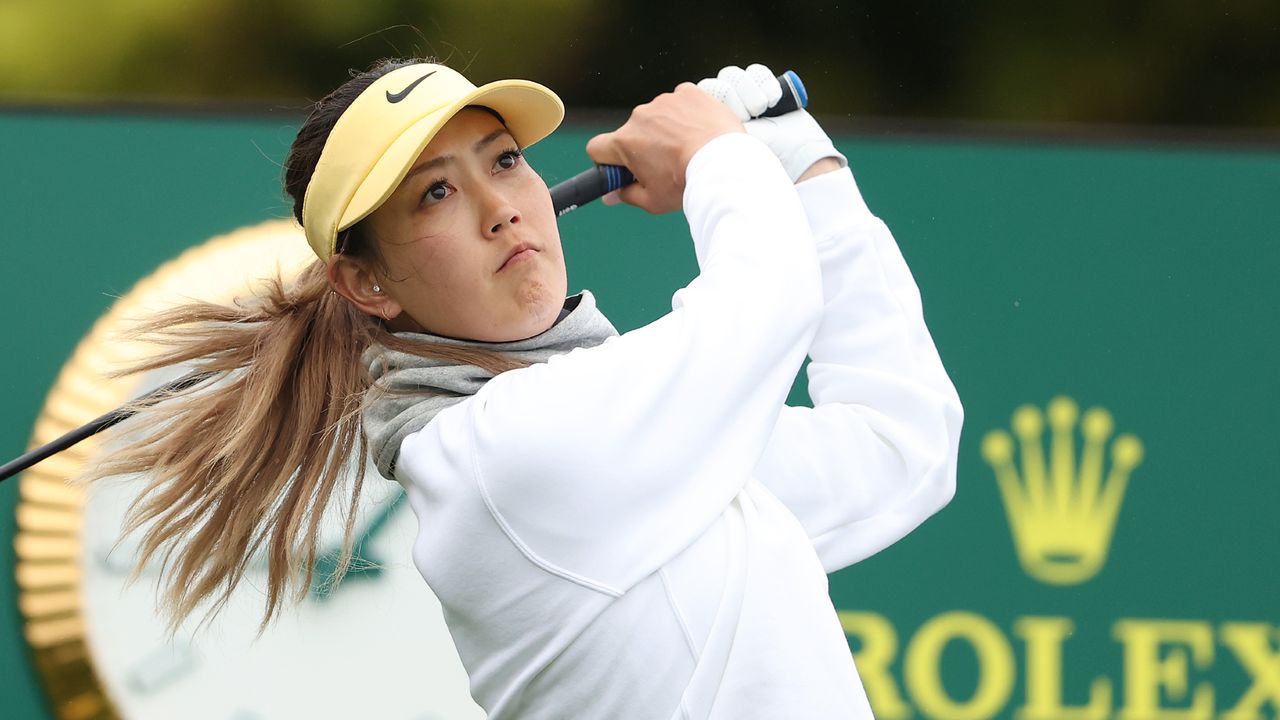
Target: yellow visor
(382, 133)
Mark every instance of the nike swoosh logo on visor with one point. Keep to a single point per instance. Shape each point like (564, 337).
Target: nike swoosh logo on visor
(397, 97)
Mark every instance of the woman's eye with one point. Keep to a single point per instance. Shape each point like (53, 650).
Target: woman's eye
(508, 159)
(436, 192)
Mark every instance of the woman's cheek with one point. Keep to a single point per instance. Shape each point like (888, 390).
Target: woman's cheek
(434, 256)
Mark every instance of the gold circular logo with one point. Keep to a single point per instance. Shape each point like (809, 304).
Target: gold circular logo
(49, 513)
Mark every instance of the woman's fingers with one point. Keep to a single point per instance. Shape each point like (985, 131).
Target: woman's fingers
(658, 140)
(604, 149)
(611, 149)
(634, 194)
(752, 98)
(724, 93)
(657, 203)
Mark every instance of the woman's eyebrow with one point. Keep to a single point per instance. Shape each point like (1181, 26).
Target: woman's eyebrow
(447, 159)
(432, 163)
(480, 144)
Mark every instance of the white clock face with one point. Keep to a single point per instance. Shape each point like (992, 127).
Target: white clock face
(374, 647)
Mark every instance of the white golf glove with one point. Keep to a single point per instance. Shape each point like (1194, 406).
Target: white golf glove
(795, 138)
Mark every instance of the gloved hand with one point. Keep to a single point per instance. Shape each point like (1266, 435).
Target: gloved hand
(795, 138)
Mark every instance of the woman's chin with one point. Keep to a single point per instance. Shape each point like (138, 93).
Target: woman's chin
(541, 307)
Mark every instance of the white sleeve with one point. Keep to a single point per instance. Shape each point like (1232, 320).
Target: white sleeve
(604, 463)
(876, 455)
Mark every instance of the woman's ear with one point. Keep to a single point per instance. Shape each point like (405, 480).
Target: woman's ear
(356, 282)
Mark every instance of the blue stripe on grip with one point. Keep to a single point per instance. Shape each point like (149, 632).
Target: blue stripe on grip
(794, 79)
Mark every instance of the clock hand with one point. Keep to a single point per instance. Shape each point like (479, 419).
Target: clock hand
(121, 559)
(163, 666)
(362, 566)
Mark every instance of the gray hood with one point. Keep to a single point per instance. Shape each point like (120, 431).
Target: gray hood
(421, 387)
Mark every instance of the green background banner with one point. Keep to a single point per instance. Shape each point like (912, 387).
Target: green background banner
(1135, 279)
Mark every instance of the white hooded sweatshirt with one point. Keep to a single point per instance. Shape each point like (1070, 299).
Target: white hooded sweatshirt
(642, 529)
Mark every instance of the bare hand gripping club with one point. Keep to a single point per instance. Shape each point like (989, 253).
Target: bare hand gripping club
(572, 193)
(601, 179)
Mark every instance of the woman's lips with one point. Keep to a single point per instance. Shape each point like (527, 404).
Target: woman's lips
(522, 254)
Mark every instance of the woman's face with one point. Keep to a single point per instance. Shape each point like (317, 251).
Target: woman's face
(469, 238)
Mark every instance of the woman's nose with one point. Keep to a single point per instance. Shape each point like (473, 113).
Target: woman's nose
(499, 214)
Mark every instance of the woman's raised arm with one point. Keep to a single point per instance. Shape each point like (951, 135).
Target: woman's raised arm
(603, 463)
(876, 455)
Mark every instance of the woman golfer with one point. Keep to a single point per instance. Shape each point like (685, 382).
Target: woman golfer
(629, 526)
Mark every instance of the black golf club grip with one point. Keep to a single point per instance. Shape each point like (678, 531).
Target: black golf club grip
(601, 179)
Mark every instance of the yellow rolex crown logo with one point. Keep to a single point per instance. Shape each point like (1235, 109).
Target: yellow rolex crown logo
(1062, 516)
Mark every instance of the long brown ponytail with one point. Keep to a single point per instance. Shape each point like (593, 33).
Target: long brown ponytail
(245, 464)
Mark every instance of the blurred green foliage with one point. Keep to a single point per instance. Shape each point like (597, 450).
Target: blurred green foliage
(1161, 62)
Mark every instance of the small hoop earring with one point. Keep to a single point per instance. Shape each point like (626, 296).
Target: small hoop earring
(384, 314)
